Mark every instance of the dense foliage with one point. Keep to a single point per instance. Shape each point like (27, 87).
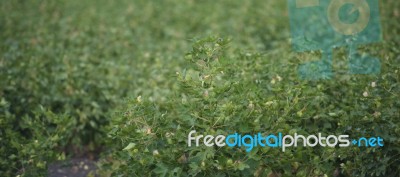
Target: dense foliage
(72, 72)
(223, 94)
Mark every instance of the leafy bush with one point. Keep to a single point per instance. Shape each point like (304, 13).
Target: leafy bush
(58, 86)
(65, 67)
(29, 145)
(223, 94)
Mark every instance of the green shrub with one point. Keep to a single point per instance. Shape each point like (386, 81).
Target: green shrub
(66, 65)
(28, 146)
(222, 94)
(58, 86)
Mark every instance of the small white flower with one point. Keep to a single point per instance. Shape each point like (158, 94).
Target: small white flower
(269, 103)
(169, 134)
(155, 153)
(373, 84)
(148, 131)
(139, 99)
(377, 114)
(251, 105)
(276, 78)
(279, 78)
(365, 94)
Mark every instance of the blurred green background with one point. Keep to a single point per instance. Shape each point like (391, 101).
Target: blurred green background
(67, 66)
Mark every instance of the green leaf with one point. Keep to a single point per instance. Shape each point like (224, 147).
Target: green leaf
(130, 146)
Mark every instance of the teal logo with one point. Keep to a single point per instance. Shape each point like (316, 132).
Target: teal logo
(328, 24)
